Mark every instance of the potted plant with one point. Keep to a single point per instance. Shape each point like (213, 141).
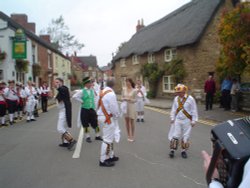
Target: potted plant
(2, 55)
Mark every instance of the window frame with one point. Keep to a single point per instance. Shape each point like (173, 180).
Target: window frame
(170, 54)
(123, 62)
(135, 59)
(151, 58)
(169, 83)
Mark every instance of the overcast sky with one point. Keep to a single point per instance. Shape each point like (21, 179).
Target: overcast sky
(102, 25)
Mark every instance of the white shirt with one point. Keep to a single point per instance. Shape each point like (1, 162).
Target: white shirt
(79, 94)
(189, 106)
(143, 90)
(44, 90)
(30, 93)
(110, 103)
(10, 94)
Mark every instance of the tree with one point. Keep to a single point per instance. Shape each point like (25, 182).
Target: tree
(60, 36)
(153, 73)
(177, 69)
(234, 37)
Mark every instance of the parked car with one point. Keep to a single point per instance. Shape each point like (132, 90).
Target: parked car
(245, 86)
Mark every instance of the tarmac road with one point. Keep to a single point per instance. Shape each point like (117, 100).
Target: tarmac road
(30, 157)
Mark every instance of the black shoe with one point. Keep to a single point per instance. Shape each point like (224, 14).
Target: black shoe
(113, 159)
(32, 120)
(88, 140)
(65, 145)
(171, 154)
(98, 138)
(138, 120)
(142, 120)
(11, 122)
(71, 145)
(27, 121)
(184, 154)
(106, 163)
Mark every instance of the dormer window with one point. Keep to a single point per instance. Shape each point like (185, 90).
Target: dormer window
(169, 54)
(123, 62)
(151, 58)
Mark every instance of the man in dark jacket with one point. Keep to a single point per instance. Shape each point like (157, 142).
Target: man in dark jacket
(209, 89)
(65, 114)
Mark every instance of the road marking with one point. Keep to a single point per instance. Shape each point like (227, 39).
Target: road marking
(206, 122)
(78, 148)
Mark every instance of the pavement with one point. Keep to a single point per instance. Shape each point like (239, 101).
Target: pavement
(216, 115)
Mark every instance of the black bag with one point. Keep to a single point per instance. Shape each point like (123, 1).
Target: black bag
(231, 143)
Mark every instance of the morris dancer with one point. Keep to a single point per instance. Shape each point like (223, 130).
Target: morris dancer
(11, 99)
(183, 115)
(140, 100)
(108, 113)
(88, 114)
(65, 114)
(3, 104)
(30, 93)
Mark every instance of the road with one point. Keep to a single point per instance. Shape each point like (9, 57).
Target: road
(30, 157)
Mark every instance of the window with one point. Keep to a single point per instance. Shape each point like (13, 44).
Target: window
(90, 68)
(123, 63)
(135, 59)
(151, 58)
(86, 74)
(168, 83)
(94, 74)
(169, 54)
(124, 82)
(33, 54)
(49, 61)
(1, 74)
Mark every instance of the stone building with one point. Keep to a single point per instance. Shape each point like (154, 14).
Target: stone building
(188, 33)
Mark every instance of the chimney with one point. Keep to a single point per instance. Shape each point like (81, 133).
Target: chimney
(75, 53)
(140, 25)
(45, 37)
(22, 19)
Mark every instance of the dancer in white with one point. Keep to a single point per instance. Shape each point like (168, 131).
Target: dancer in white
(108, 113)
(30, 93)
(140, 100)
(183, 116)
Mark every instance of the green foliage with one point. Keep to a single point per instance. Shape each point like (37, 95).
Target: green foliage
(234, 37)
(22, 65)
(177, 69)
(60, 36)
(153, 73)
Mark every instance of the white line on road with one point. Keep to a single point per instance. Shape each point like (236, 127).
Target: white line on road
(78, 148)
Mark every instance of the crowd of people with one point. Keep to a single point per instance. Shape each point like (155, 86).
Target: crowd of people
(18, 100)
(229, 93)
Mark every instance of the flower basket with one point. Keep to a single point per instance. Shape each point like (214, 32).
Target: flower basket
(22, 65)
(2, 55)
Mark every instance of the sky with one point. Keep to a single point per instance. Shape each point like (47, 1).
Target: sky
(101, 25)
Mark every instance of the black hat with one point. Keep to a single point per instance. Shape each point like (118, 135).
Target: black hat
(86, 80)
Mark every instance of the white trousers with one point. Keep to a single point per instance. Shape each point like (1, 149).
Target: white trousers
(30, 106)
(61, 123)
(109, 135)
(182, 129)
(139, 105)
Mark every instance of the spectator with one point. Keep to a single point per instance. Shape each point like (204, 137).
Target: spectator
(225, 89)
(129, 95)
(209, 89)
(235, 95)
